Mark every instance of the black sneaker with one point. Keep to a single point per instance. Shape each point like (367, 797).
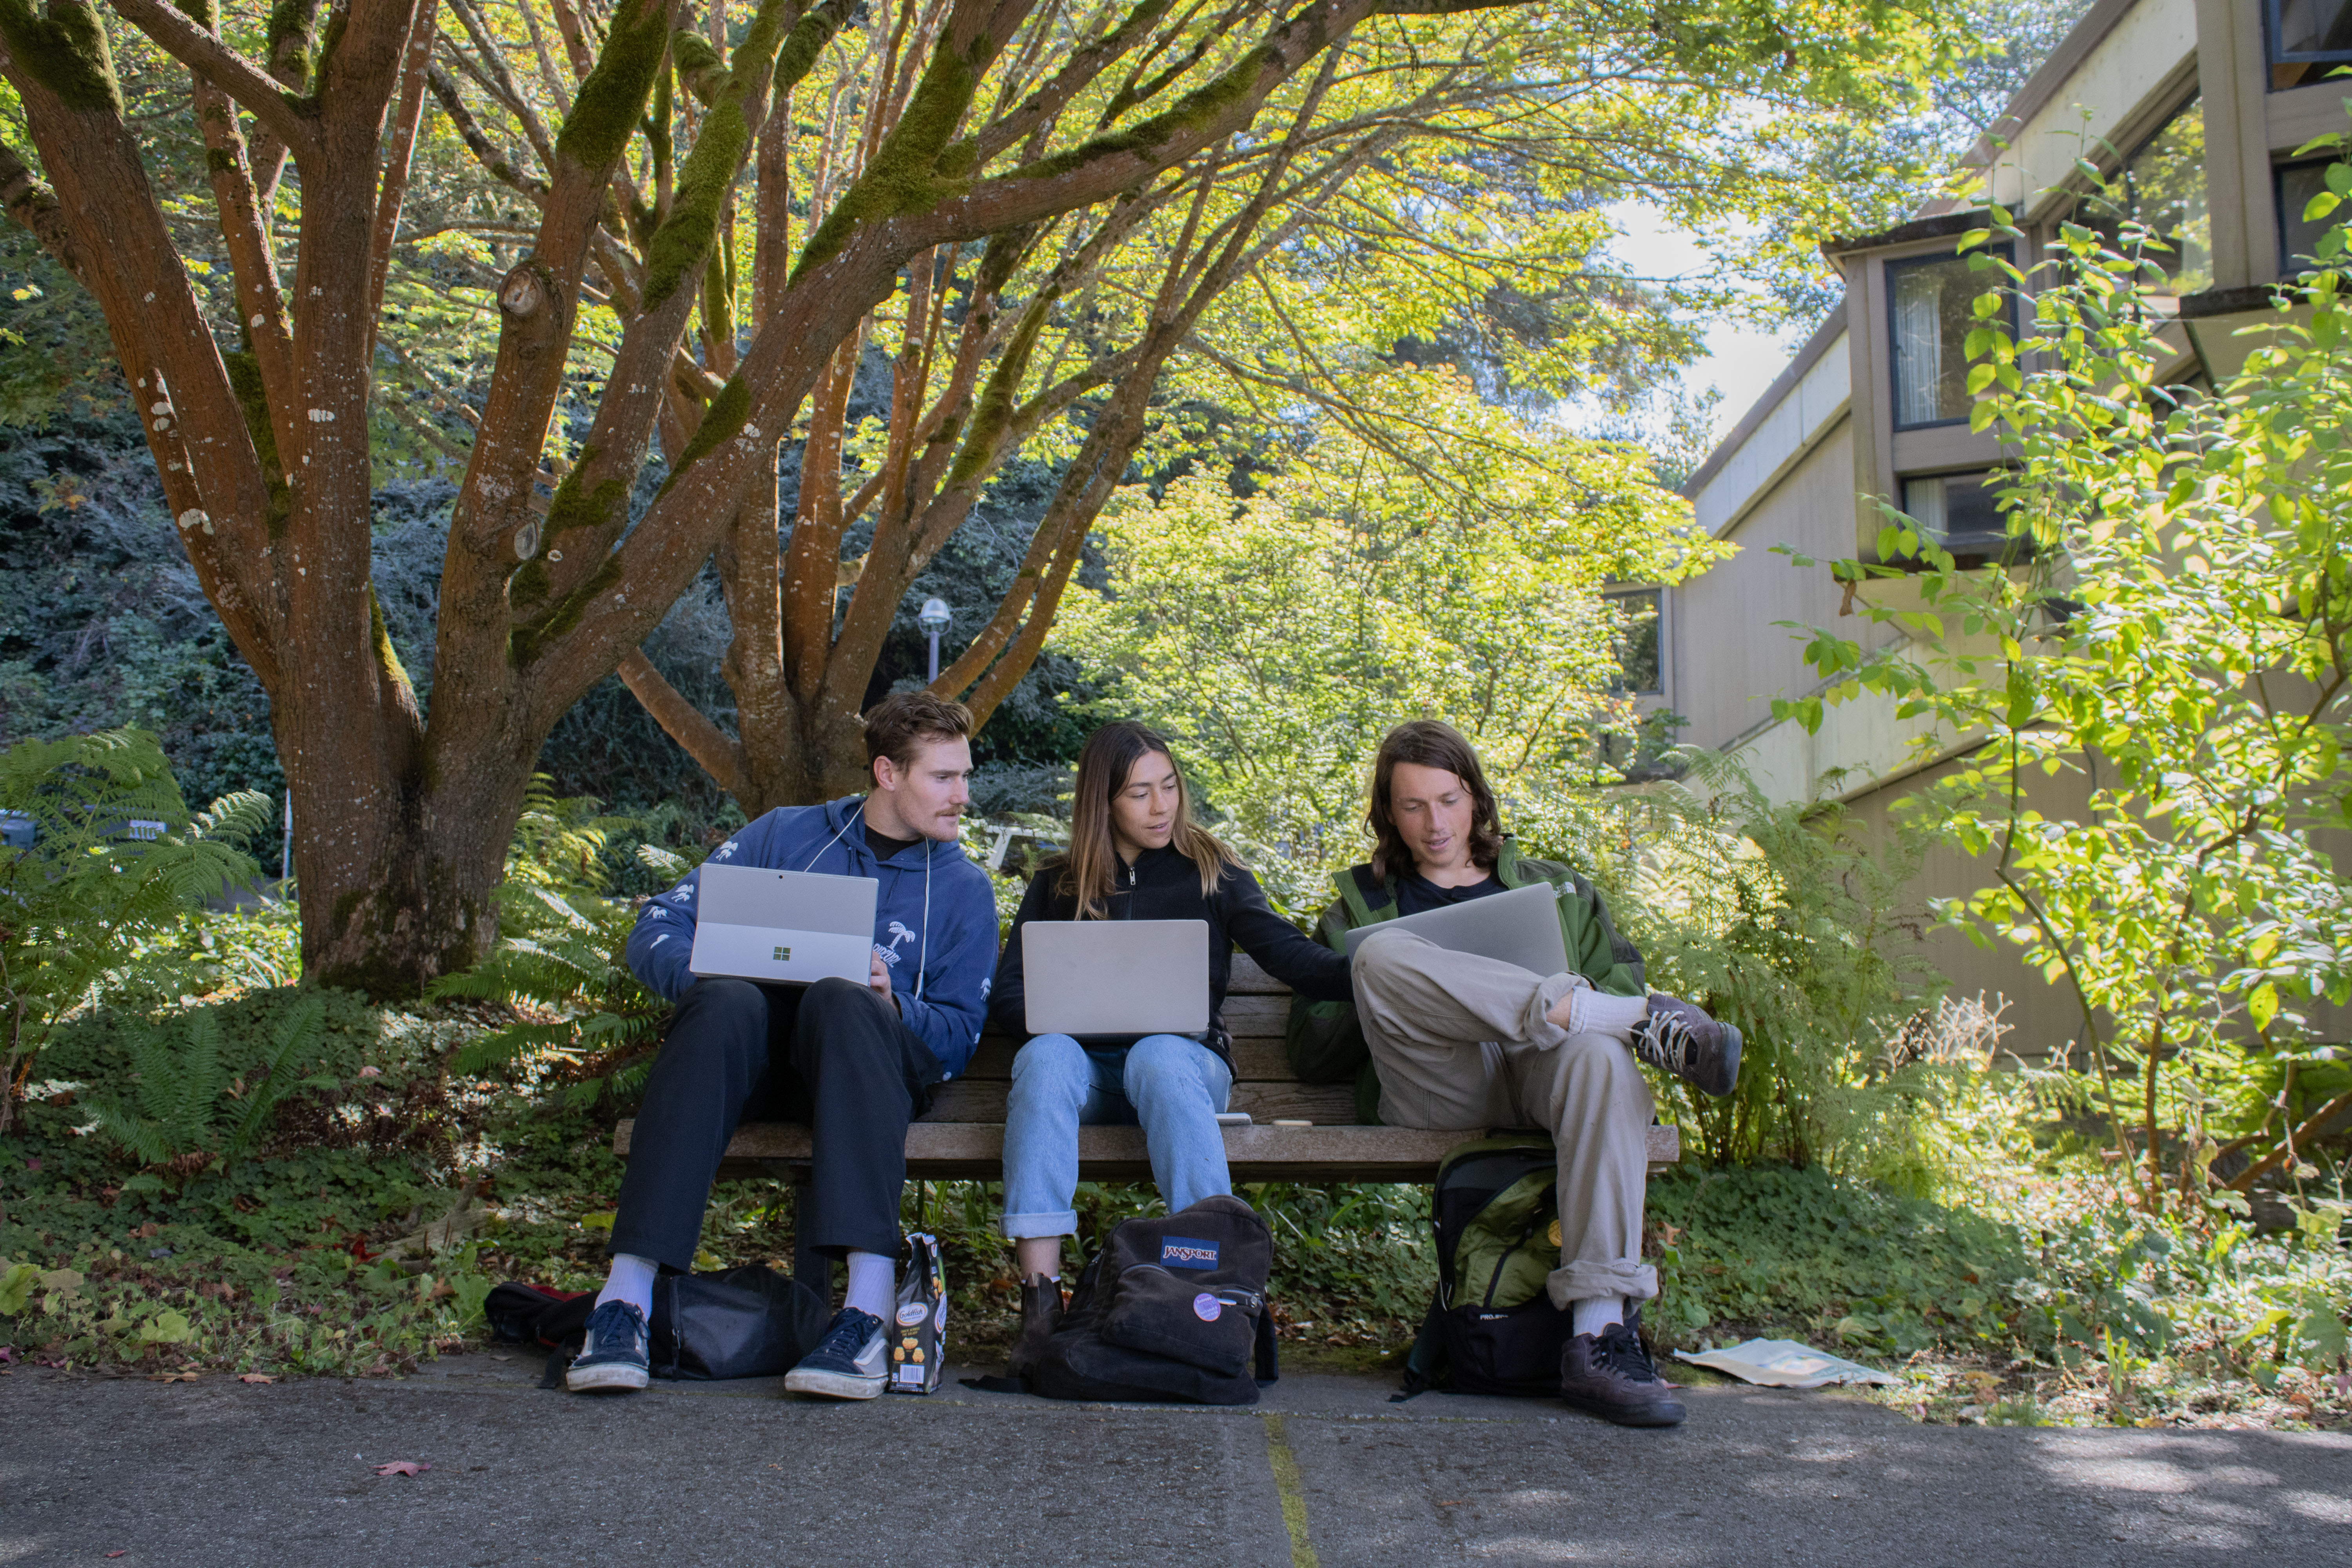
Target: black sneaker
(1680, 1038)
(612, 1360)
(1041, 1314)
(1608, 1375)
(851, 1361)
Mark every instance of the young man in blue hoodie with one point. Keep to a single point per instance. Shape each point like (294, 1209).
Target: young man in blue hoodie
(857, 1062)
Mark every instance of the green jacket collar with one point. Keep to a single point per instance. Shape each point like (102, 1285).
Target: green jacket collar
(1371, 899)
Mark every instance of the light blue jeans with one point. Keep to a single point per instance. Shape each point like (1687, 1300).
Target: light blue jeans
(1171, 1087)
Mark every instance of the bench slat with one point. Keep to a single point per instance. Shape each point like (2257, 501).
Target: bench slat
(1255, 1154)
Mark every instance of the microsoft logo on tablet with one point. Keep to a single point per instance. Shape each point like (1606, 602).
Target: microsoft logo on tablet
(783, 955)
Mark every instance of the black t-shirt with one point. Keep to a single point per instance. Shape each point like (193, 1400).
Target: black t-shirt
(884, 847)
(1417, 895)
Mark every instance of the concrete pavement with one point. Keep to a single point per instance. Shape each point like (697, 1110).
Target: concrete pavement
(1325, 1470)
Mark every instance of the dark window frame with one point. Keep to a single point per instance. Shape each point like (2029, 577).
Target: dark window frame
(2289, 265)
(2122, 179)
(2010, 549)
(2274, 55)
(1887, 271)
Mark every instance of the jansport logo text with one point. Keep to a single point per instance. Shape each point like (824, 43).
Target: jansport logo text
(1183, 1252)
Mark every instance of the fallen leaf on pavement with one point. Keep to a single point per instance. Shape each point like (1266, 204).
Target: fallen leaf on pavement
(176, 1377)
(403, 1467)
(124, 1553)
(255, 1377)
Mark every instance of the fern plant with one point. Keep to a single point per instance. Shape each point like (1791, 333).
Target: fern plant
(184, 1104)
(117, 861)
(561, 959)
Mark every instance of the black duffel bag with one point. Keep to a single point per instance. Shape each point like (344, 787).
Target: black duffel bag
(1170, 1309)
(750, 1322)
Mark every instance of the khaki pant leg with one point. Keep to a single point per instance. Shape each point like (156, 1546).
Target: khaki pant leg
(1416, 993)
(1432, 1018)
(1589, 1094)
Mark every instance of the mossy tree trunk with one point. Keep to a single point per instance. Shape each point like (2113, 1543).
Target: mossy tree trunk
(261, 426)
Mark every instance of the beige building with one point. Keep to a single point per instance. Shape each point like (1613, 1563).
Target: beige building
(2195, 107)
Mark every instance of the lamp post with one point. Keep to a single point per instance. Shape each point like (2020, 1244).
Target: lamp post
(933, 618)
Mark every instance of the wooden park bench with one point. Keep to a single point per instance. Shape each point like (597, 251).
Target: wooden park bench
(962, 1134)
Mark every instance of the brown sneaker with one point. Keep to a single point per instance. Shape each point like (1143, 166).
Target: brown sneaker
(1608, 1375)
(1041, 1314)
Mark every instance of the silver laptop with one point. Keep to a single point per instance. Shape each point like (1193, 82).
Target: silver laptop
(1109, 978)
(794, 928)
(1521, 927)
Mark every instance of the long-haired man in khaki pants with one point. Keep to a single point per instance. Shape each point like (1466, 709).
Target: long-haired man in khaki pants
(1462, 1041)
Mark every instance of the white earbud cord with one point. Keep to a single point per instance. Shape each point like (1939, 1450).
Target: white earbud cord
(858, 812)
(923, 960)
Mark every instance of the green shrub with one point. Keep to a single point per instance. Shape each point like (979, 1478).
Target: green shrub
(562, 959)
(117, 862)
(187, 1104)
(1785, 920)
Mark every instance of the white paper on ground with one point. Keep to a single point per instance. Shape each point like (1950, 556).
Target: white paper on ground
(1784, 1364)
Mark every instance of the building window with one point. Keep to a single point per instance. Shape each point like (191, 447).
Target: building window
(1959, 514)
(2162, 185)
(1641, 672)
(1930, 306)
(2295, 184)
(2307, 38)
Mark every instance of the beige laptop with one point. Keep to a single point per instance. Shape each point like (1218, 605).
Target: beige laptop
(1520, 926)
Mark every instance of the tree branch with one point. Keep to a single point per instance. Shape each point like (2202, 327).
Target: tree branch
(178, 35)
(35, 207)
(713, 749)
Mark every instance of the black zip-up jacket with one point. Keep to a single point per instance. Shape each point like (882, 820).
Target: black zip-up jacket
(1164, 885)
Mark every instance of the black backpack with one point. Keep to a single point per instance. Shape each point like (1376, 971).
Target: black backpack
(750, 1322)
(1491, 1327)
(1170, 1309)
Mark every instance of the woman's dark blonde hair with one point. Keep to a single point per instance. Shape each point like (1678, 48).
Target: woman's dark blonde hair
(1090, 871)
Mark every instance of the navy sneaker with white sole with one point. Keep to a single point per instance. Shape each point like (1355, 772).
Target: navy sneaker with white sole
(612, 1359)
(850, 1362)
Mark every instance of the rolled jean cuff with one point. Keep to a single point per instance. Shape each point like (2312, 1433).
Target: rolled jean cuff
(1026, 1226)
(1586, 1278)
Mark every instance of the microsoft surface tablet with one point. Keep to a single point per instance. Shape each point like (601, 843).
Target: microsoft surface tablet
(793, 928)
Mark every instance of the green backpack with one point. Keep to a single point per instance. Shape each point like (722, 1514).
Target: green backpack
(1492, 1328)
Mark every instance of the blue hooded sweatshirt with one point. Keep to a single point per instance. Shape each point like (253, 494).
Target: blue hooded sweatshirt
(934, 918)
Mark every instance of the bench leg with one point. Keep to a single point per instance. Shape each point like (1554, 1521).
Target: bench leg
(810, 1266)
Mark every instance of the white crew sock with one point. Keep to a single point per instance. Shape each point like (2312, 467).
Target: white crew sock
(1592, 1012)
(631, 1281)
(1595, 1313)
(873, 1284)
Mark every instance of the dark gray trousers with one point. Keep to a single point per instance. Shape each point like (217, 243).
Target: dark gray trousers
(833, 1055)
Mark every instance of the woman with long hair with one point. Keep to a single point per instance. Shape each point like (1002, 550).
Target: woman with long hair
(1135, 854)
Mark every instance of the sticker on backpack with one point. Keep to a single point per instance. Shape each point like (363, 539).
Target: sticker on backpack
(1185, 1252)
(1207, 1308)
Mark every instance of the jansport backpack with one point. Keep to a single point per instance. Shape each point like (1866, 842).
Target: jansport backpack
(1492, 1328)
(1170, 1309)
